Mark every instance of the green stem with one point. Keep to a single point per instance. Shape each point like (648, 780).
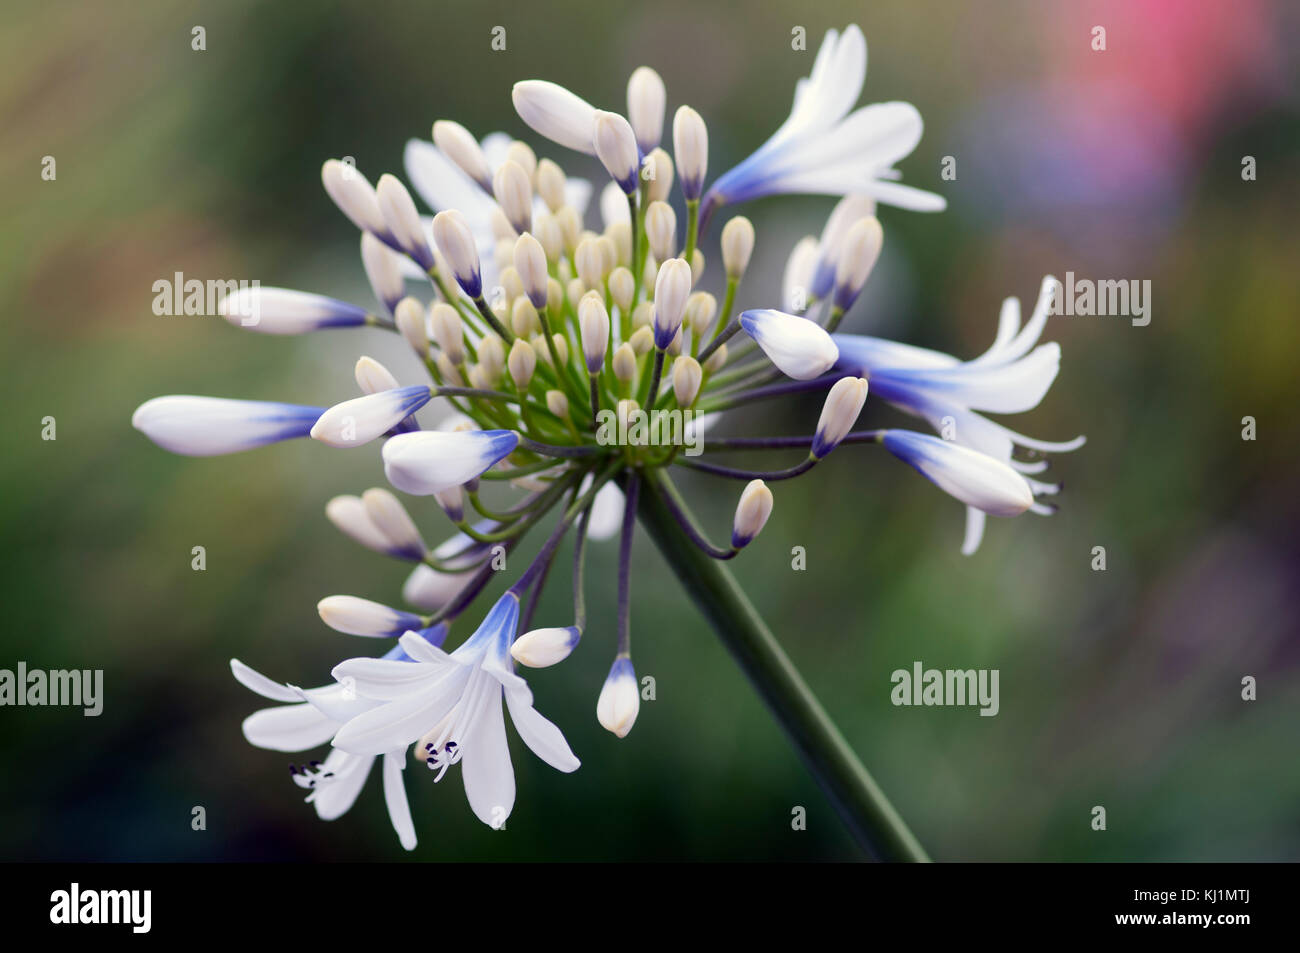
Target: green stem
(861, 804)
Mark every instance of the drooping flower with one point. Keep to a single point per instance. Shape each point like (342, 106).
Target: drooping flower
(1011, 377)
(451, 705)
(799, 348)
(308, 719)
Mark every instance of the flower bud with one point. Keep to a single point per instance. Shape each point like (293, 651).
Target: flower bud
(593, 322)
(523, 318)
(691, 148)
(403, 220)
(459, 145)
(615, 144)
(521, 363)
(362, 419)
(658, 173)
(448, 371)
(620, 236)
(737, 245)
(646, 98)
(861, 249)
(839, 414)
(348, 513)
(542, 647)
(456, 242)
(383, 269)
(642, 341)
(620, 698)
(530, 263)
(752, 511)
(661, 230)
(514, 193)
(701, 308)
(492, 356)
(621, 288)
(372, 377)
(623, 362)
(388, 513)
(590, 264)
(687, 377)
(717, 360)
(557, 404)
(551, 237)
(550, 184)
(522, 155)
(448, 332)
(355, 616)
(672, 286)
(355, 196)
(799, 348)
(409, 316)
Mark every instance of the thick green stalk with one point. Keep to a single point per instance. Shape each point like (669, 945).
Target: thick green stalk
(862, 805)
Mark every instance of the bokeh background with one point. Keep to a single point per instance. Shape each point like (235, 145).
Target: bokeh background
(1119, 688)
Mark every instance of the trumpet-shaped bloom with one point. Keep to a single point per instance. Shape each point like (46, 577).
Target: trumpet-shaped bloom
(1011, 377)
(308, 719)
(799, 348)
(823, 149)
(207, 426)
(451, 704)
(429, 462)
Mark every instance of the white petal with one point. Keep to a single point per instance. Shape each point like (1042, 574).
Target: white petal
(255, 681)
(485, 767)
(288, 728)
(400, 722)
(387, 679)
(399, 810)
(207, 426)
(541, 735)
(333, 798)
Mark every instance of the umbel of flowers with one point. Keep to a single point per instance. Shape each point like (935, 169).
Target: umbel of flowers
(548, 343)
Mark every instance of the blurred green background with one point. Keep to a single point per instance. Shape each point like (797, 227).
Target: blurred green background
(1118, 688)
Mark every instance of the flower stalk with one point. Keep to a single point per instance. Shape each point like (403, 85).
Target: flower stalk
(875, 824)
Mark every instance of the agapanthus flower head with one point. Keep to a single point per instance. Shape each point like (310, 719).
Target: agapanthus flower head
(571, 368)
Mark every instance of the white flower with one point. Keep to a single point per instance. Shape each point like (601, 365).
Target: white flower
(620, 698)
(514, 193)
(737, 245)
(975, 479)
(308, 721)
(862, 246)
(1008, 378)
(460, 147)
(362, 419)
(823, 149)
(284, 311)
(456, 241)
(428, 462)
(451, 704)
(206, 426)
(556, 113)
(799, 348)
